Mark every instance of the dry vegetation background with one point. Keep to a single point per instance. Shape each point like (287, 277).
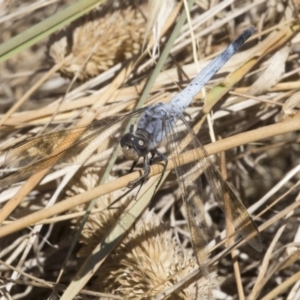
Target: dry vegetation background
(102, 73)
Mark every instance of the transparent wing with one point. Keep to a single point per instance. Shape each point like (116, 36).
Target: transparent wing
(49, 144)
(191, 190)
(190, 183)
(241, 219)
(64, 146)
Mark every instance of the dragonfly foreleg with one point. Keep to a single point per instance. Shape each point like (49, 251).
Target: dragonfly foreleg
(141, 179)
(133, 165)
(147, 163)
(163, 158)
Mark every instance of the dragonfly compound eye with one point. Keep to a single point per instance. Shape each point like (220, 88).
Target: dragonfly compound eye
(128, 142)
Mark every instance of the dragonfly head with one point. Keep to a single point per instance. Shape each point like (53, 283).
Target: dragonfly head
(134, 146)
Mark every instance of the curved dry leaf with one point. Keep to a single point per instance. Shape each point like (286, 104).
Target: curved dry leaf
(292, 104)
(272, 74)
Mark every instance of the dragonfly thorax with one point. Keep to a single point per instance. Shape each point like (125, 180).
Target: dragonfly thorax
(134, 146)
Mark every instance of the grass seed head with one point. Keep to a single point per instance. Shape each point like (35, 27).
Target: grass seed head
(99, 40)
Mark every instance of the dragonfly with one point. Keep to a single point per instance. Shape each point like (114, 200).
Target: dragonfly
(149, 127)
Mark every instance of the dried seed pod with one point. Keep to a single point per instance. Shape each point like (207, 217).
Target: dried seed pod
(106, 36)
(147, 260)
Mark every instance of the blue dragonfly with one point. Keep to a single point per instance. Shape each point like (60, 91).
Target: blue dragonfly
(149, 127)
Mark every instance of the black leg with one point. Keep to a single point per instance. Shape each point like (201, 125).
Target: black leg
(153, 152)
(142, 178)
(165, 159)
(133, 165)
(147, 164)
(160, 155)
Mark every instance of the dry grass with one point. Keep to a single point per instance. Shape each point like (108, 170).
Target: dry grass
(255, 105)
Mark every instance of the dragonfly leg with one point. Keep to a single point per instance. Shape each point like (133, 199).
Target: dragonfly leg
(147, 164)
(163, 158)
(159, 154)
(133, 165)
(142, 178)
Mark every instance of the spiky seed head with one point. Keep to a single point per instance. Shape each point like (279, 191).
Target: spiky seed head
(99, 40)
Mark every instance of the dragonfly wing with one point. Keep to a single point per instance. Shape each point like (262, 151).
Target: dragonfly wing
(27, 171)
(182, 138)
(70, 144)
(191, 190)
(241, 219)
(53, 143)
(197, 225)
